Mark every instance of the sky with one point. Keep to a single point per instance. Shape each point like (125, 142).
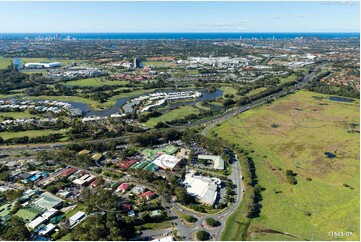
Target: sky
(93, 17)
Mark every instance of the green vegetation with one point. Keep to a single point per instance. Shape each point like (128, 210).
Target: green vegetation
(159, 64)
(94, 82)
(306, 127)
(16, 115)
(256, 91)
(203, 235)
(199, 105)
(161, 225)
(5, 62)
(290, 78)
(291, 177)
(177, 113)
(15, 230)
(211, 222)
(228, 90)
(30, 133)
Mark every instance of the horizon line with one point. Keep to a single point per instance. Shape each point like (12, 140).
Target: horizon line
(181, 32)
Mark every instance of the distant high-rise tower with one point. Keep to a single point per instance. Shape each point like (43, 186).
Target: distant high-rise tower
(136, 63)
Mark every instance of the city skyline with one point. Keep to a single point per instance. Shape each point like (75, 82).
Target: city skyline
(174, 17)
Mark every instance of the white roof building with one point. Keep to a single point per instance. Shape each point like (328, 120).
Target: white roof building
(164, 239)
(36, 222)
(48, 214)
(218, 161)
(47, 229)
(166, 161)
(204, 188)
(38, 65)
(77, 218)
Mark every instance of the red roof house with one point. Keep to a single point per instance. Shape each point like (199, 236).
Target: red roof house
(125, 164)
(147, 195)
(126, 207)
(69, 171)
(123, 187)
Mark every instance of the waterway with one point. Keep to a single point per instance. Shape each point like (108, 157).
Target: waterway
(18, 62)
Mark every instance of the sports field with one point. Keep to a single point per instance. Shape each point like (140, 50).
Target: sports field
(178, 113)
(294, 133)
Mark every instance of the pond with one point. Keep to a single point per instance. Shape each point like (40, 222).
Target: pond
(330, 155)
(340, 99)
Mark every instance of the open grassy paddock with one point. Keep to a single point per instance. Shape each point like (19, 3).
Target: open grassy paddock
(177, 113)
(293, 133)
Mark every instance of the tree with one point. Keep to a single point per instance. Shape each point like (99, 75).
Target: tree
(15, 230)
(12, 194)
(211, 222)
(202, 235)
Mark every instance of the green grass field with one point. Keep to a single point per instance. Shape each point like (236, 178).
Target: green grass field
(93, 82)
(30, 133)
(303, 129)
(15, 115)
(5, 62)
(256, 91)
(159, 64)
(178, 113)
(228, 90)
(290, 78)
(199, 105)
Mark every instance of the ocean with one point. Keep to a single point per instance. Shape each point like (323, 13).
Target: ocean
(214, 36)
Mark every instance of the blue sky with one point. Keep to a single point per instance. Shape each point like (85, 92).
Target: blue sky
(58, 17)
